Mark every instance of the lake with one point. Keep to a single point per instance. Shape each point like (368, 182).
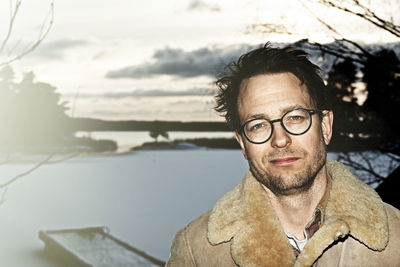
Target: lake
(127, 140)
(143, 197)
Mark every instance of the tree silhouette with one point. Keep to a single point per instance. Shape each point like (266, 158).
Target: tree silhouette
(27, 107)
(382, 77)
(31, 113)
(155, 133)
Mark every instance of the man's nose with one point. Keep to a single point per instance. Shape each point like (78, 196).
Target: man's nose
(280, 138)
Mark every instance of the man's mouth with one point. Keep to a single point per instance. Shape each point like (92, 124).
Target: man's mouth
(284, 161)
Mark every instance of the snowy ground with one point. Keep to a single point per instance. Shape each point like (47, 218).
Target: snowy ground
(143, 197)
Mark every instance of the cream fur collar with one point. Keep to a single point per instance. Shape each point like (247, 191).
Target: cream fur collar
(245, 216)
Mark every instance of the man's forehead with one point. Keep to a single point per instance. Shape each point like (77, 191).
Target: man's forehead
(273, 94)
(275, 85)
(258, 78)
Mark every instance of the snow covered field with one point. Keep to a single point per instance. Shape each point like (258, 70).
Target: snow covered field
(143, 197)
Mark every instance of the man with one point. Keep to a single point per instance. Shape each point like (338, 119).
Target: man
(293, 208)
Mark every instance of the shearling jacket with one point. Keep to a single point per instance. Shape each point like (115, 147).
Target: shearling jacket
(243, 230)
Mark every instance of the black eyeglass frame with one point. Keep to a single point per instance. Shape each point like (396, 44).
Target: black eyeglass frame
(271, 122)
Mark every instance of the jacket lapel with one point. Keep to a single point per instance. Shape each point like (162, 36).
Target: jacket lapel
(244, 217)
(359, 206)
(353, 209)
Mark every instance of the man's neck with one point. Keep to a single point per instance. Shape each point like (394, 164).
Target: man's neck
(295, 211)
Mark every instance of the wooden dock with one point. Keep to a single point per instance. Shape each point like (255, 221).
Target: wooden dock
(93, 246)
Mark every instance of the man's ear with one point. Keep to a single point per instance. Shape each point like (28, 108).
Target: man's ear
(239, 139)
(326, 125)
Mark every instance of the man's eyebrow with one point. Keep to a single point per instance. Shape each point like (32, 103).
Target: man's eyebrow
(282, 111)
(256, 116)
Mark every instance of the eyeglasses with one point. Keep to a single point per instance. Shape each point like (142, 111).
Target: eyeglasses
(296, 122)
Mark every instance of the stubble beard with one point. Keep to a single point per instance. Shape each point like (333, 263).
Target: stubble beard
(299, 182)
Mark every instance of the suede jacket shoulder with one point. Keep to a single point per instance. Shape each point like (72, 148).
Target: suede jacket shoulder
(243, 230)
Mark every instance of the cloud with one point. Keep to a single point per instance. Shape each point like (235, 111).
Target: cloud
(161, 93)
(150, 93)
(197, 5)
(207, 61)
(55, 49)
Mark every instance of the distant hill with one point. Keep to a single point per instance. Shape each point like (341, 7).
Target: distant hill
(88, 124)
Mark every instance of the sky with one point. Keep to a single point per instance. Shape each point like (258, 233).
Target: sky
(157, 59)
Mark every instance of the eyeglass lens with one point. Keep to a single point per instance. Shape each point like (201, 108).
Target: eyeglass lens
(294, 122)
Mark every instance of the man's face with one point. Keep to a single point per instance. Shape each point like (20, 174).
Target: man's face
(286, 164)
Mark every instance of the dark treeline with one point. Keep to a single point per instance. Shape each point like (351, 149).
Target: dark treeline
(90, 125)
(341, 143)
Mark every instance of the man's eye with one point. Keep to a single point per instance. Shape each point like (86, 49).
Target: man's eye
(257, 126)
(296, 118)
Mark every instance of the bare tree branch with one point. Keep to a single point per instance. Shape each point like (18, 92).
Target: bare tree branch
(75, 99)
(369, 165)
(367, 15)
(343, 48)
(12, 180)
(335, 51)
(45, 161)
(394, 158)
(13, 15)
(324, 23)
(342, 51)
(73, 155)
(19, 176)
(268, 28)
(43, 32)
(3, 196)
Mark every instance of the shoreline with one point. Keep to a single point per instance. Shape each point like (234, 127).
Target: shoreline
(32, 154)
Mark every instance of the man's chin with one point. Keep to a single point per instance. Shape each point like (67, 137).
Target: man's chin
(289, 190)
(284, 185)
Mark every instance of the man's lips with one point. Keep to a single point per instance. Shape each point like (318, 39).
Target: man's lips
(284, 161)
